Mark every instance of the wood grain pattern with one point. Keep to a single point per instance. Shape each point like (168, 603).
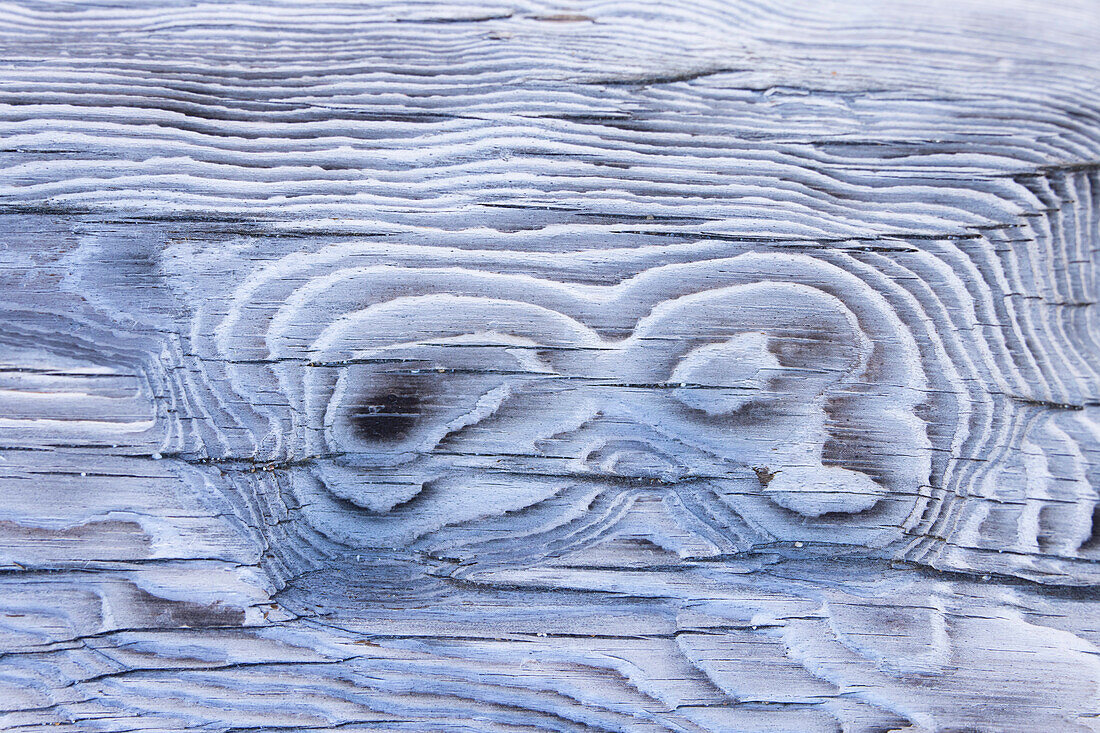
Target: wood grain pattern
(620, 366)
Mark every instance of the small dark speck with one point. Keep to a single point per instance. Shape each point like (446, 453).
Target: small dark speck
(764, 475)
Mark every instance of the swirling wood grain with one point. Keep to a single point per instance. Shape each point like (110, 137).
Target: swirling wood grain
(624, 366)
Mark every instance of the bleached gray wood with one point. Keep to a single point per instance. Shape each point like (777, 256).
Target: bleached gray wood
(625, 366)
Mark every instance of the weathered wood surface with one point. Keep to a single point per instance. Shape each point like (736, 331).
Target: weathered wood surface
(627, 366)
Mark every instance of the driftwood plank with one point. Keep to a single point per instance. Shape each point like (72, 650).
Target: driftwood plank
(634, 366)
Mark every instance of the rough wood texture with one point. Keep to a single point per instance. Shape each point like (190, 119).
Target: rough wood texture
(623, 366)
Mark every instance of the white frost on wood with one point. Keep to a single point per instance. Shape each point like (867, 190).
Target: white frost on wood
(710, 366)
